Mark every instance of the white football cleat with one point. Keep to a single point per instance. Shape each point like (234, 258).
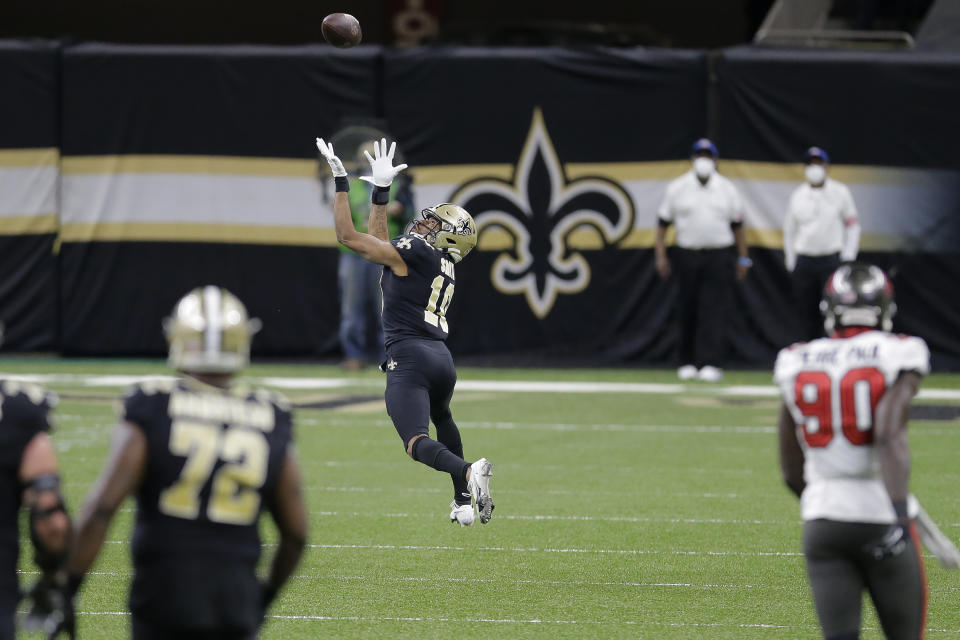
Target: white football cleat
(687, 372)
(479, 484)
(710, 374)
(462, 513)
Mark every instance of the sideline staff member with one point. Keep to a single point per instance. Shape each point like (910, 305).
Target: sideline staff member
(708, 212)
(820, 231)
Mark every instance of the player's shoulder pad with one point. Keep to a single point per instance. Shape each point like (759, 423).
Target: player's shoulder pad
(26, 404)
(139, 399)
(789, 360)
(275, 398)
(913, 354)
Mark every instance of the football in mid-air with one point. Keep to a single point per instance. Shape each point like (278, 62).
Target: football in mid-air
(341, 30)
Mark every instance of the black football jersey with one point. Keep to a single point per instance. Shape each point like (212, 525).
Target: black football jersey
(213, 460)
(416, 305)
(24, 412)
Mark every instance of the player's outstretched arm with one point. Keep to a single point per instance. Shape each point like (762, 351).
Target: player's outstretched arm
(121, 475)
(290, 514)
(368, 246)
(381, 166)
(791, 455)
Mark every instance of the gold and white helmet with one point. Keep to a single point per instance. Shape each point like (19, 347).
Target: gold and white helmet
(209, 332)
(451, 229)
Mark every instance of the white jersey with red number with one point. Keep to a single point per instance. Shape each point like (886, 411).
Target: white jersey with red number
(832, 387)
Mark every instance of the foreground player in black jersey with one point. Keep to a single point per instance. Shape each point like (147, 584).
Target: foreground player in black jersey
(203, 457)
(417, 283)
(29, 477)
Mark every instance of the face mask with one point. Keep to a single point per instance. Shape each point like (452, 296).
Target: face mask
(703, 167)
(815, 174)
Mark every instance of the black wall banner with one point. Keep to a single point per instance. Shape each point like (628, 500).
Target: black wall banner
(184, 166)
(29, 88)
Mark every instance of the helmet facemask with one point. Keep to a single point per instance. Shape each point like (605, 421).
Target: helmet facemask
(452, 230)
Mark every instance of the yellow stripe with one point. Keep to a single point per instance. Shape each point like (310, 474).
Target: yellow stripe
(212, 165)
(429, 175)
(24, 225)
(180, 232)
(43, 157)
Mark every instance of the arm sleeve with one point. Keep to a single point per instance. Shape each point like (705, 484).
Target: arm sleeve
(782, 369)
(789, 235)
(851, 227)
(737, 208)
(665, 212)
(851, 241)
(914, 355)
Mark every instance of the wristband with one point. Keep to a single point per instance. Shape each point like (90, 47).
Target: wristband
(342, 183)
(745, 261)
(381, 195)
(900, 508)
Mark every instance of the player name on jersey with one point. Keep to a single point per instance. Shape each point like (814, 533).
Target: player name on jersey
(223, 409)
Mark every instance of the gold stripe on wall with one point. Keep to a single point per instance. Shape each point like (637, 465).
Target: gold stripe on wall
(212, 165)
(186, 232)
(22, 158)
(25, 225)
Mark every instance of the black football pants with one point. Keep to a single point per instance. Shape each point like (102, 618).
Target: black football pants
(420, 382)
(809, 277)
(704, 283)
(840, 570)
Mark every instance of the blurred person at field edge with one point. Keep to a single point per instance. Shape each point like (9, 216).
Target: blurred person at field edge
(820, 231)
(204, 457)
(708, 212)
(361, 326)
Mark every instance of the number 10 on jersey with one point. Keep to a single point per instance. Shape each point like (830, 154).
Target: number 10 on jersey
(434, 315)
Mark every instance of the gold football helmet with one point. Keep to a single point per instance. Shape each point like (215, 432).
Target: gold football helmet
(209, 332)
(451, 229)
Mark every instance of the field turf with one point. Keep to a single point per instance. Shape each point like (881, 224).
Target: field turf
(621, 512)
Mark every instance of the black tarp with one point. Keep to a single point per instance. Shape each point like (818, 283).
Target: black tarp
(29, 103)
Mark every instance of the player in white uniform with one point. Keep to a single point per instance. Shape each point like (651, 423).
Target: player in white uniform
(843, 451)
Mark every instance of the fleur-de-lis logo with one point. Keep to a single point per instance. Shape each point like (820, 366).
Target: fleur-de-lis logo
(540, 209)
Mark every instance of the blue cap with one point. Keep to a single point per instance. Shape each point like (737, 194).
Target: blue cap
(704, 144)
(816, 152)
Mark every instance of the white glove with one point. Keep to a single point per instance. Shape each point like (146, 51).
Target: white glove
(326, 150)
(382, 164)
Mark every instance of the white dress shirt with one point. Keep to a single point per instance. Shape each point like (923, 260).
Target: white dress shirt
(821, 221)
(702, 212)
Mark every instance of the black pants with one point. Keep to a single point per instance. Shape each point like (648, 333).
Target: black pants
(704, 283)
(809, 278)
(143, 630)
(420, 382)
(840, 570)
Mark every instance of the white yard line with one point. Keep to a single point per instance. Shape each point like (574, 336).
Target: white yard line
(535, 621)
(505, 386)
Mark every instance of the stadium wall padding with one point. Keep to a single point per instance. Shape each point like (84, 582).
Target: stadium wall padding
(173, 167)
(29, 175)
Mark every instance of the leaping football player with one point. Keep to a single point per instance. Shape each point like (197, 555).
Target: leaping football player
(844, 452)
(417, 284)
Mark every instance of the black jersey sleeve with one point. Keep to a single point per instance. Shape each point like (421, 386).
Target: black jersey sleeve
(141, 404)
(27, 406)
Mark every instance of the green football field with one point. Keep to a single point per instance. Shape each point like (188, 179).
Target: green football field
(627, 506)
